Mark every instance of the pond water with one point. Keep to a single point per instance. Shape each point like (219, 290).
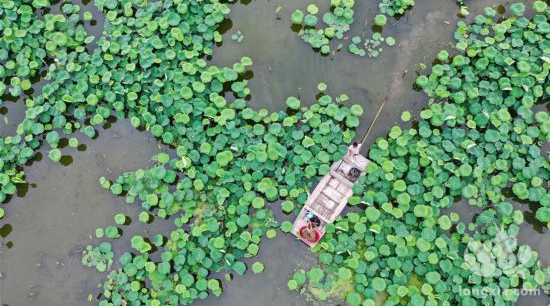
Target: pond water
(50, 220)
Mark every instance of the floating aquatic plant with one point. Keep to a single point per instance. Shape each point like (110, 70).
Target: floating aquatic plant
(111, 232)
(30, 44)
(522, 80)
(258, 267)
(395, 7)
(216, 140)
(120, 219)
(244, 219)
(479, 136)
(149, 67)
(339, 20)
(237, 36)
(100, 257)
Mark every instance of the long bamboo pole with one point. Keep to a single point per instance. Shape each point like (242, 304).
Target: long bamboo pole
(376, 117)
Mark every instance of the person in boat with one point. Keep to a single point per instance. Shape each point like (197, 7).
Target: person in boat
(353, 150)
(353, 153)
(312, 219)
(310, 231)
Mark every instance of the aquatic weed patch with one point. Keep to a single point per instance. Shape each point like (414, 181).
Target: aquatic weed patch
(479, 136)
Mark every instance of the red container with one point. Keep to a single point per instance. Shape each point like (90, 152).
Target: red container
(307, 238)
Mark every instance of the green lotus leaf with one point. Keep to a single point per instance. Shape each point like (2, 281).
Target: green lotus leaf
(380, 20)
(297, 17)
(315, 274)
(293, 103)
(120, 219)
(517, 9)
(257, 267)
(112, 232)
(239, 267)
(287, 206)
(292, 285)
(356, 110)
(55, 155)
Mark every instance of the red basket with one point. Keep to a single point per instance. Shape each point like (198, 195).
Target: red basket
(316, 234)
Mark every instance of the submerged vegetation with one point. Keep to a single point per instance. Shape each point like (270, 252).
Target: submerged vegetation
(480, 135)
(227, 163)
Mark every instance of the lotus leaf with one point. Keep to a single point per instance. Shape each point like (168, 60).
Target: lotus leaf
(257, 267)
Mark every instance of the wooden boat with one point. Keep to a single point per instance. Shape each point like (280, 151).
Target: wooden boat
(329, 198)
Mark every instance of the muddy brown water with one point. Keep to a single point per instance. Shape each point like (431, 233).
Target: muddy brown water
(51, 220)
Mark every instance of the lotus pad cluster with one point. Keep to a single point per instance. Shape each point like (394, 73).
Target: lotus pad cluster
(480, 135)
(338, 21)
(219, 191)
(492, 91)
(100, 257)
(228, 161)
(28, 44)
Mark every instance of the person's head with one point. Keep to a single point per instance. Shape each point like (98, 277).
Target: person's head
(355, 144)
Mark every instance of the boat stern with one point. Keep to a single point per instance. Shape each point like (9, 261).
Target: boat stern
(301, 225)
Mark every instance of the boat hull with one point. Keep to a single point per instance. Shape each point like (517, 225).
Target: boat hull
(330, 196)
